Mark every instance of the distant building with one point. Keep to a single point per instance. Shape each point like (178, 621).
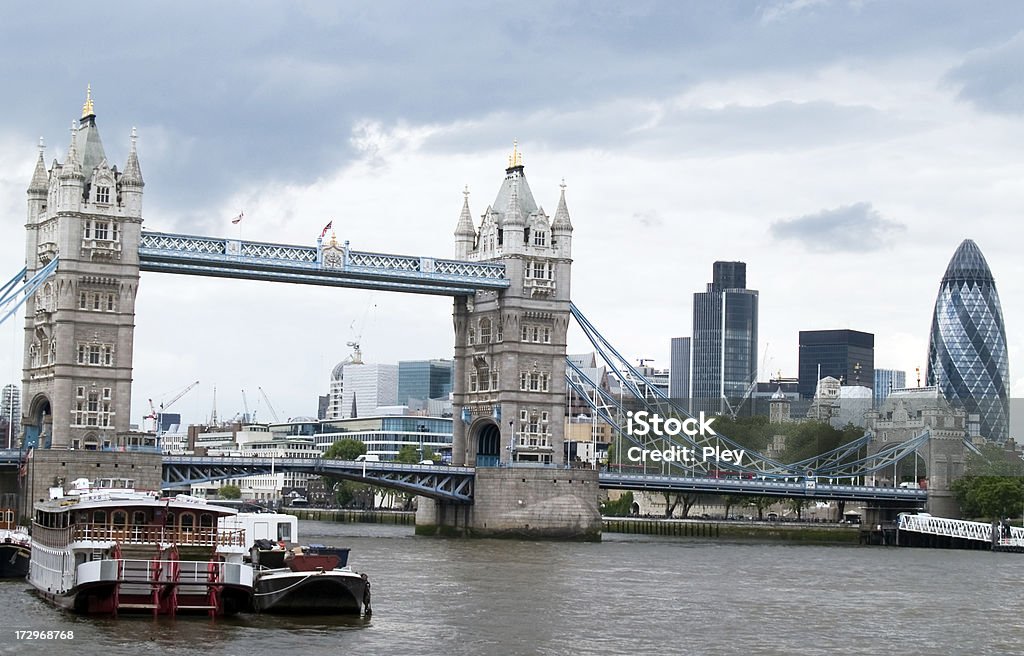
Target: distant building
(422, 380)
(724, 342)
(679, 369)
(967, 354)
(886, 380)
(384, 436)
(847, 355)
(10, 416)
(368, 387)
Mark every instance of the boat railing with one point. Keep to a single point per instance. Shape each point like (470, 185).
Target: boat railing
(8, 519)
(182, 572)
(186, 536)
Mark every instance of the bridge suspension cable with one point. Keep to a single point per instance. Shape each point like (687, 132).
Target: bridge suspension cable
(9, 293)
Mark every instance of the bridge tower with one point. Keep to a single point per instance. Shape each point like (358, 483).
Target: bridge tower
(509, 379)
(80, 325)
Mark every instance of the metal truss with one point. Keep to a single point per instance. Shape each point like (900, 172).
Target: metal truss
(839, 463)
(955, 528)
(315, 265)
(453, 484)
(764, 487)
(12, 289)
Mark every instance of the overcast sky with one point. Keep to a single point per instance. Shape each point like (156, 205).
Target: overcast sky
(842, 149)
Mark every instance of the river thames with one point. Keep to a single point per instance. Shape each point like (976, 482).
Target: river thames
(626, 595)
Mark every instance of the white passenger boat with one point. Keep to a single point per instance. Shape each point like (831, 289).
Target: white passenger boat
(108, 549)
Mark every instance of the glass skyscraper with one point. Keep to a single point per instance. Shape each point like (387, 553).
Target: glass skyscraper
(967, 357)
(847, 355)
(724, 342)
(886, 380)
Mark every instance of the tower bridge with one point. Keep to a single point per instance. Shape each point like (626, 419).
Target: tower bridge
(510, 281)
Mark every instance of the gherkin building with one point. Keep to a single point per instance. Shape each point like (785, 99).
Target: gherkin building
(967, 358)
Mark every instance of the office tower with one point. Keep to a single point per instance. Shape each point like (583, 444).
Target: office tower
(847, 355)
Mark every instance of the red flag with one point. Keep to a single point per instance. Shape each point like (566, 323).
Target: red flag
(238, 218)
(326, 228)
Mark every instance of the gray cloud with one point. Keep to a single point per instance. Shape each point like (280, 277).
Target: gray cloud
(856, 228)
(992, 78)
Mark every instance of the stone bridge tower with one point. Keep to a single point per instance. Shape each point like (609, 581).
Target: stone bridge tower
(509, 400)
(79, 326)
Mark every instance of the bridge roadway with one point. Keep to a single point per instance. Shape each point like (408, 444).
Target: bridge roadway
(455, 484)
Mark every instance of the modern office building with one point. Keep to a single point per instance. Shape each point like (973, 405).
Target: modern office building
(886, 380)
(846, 355)
(368, 387)
(967, 355)
(10, 416)
(422, 380)
(724, 342)
(679, 369)
(384, 436)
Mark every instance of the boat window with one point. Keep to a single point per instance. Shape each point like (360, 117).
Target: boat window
(284, 531)
(188, 521)
(206, 519)
(139, 518)
(169, 520)
(99, 517)
(120, 518)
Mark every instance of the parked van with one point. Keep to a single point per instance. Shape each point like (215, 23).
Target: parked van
(368, 458)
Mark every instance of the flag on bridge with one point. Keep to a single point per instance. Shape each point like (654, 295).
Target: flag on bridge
(326, 228)
(238, 219)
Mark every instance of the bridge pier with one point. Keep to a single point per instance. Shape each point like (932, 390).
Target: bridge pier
(520, 502)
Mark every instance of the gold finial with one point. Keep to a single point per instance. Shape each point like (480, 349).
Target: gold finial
(87, 107)
(516, 158)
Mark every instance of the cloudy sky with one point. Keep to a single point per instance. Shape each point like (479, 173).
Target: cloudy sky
(842, 149)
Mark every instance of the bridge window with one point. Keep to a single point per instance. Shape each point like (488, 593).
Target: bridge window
(485, 331)
(540, 238)
(102, 230)
(83, 301)
(102, 194)
(472, 336)
(110, 302)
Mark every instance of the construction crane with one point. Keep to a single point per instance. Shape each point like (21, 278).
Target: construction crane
(270, 406)
(245, 409)
(165, 405)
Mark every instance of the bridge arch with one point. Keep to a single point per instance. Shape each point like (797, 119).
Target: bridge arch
(485, 436)
(38, 430)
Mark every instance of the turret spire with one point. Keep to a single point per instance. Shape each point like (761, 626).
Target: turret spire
(39, 179)
(465, 227)
(87, 109)
(561, 220)
(132, 172)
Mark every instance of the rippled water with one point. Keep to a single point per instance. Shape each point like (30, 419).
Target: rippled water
(627, 595)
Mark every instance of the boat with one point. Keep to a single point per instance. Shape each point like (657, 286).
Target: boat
(107, 549)
(15, 546)
(314, 579)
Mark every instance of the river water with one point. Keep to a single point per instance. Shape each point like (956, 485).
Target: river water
(626, 595)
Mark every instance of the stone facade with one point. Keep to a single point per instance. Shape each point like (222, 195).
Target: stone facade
(520, 502)
(58, 467)
(79, 326)
(908, 413)
(510, 346)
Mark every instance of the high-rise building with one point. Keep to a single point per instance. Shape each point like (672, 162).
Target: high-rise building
(679, 369)
(967, 356)
(846, 355)
(422, 380)
(10, 416)
(368, 387)
(886, 380)
(724, 342)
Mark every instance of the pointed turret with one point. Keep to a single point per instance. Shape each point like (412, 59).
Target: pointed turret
(90, 147)
(72, 167)
(465, 233)
(130, 182)
(40, 180)
(561, 227)
(132, 171)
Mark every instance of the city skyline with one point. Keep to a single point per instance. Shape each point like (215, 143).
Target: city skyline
(843, 175)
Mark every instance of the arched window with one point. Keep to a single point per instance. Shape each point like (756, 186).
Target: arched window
(188, 522)
(119, 519)
(139, 518)
(99, 517)
(206, 520)
(485, 331)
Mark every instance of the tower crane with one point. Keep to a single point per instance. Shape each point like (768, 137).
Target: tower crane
(164, 406)
(270, 406)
